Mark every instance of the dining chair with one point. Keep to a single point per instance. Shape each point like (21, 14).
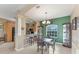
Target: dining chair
(52, 44)
(40, 44)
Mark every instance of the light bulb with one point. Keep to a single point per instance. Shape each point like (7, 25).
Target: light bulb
(48, 22)
(44, 22)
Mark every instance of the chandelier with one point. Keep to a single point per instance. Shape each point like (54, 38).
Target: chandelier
(46, 22)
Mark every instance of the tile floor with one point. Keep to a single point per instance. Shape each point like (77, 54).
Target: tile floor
(7, 48)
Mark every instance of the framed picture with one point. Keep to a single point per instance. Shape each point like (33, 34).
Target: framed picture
(77, 22)
(74, 24)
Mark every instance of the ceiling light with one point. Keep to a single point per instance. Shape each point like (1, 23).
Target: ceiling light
(45, 12)
(46, 22)
(37, 6)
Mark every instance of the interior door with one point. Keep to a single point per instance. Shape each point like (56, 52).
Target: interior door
(13, 33)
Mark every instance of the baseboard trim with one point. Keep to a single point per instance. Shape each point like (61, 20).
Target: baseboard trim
(19, 49)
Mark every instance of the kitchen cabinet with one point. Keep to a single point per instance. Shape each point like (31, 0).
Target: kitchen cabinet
(67, 35)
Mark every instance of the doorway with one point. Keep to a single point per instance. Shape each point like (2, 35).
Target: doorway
(13, 33)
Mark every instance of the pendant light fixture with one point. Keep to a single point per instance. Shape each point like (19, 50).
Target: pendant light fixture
(46, 22)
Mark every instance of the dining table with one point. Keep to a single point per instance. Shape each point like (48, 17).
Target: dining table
(47, 42)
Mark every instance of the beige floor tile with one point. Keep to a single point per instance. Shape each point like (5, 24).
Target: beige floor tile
(7, 49)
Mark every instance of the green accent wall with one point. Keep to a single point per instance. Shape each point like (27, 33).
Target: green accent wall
(58, 21)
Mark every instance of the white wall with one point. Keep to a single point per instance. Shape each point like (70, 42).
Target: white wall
(75, 33)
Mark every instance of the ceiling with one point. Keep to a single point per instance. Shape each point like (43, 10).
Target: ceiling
(49, 11)
(9, 11)
(36, 12)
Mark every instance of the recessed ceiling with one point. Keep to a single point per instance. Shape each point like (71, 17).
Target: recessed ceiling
(49, 11)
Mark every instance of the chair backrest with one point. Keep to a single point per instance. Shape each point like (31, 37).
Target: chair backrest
(40, 41)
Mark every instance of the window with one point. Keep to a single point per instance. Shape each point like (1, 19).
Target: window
(51, 31)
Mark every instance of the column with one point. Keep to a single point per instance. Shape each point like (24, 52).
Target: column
(19, 38)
